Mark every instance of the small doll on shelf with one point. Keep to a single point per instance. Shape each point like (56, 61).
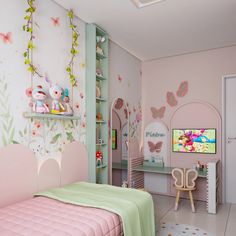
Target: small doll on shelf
(39, 95)
(56, 93)
(99, 72)
(66, 99)
(99, 41)
(99, 116)
(99, 158)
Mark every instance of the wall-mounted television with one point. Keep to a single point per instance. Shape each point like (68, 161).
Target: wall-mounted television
(194, 141)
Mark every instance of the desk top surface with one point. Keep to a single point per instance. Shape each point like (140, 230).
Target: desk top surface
(163, 170)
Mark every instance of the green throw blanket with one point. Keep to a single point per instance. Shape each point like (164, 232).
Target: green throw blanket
(135, 207)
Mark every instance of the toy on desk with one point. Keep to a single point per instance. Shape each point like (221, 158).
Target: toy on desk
(66, 99)
(56, 93)
(184, 180)
(99, 158)
(201, 167)
(39, 95)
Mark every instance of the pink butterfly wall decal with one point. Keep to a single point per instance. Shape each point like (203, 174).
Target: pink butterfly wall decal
(6, 38)
(171, 100)
(155, 147)
(55, 21)
(183, 89)
(158, 113)
(119, 78)
(119, 104)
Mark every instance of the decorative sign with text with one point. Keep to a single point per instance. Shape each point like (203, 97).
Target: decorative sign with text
(155, 142)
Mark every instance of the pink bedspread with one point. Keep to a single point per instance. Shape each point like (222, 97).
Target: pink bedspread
(43, 216)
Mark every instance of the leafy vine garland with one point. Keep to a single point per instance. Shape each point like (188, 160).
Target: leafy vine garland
(28, 28)
(74, 47)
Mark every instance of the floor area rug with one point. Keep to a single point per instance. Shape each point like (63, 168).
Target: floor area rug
(168, 229)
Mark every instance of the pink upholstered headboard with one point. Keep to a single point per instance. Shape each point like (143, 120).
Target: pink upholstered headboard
(20, 177)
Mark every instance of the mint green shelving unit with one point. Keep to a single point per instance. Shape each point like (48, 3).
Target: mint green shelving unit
(97, 129)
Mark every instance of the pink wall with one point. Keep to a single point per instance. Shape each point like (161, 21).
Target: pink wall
(203, 71)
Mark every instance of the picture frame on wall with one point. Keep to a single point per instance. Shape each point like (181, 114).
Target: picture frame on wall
(114, 139)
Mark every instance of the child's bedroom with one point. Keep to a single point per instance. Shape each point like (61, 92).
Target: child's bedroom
(116, 117)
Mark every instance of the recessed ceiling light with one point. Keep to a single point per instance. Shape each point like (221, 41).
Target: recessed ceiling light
(144, 3)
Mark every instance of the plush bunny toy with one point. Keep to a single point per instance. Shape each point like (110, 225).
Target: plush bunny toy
(56, 93)
(39, 95)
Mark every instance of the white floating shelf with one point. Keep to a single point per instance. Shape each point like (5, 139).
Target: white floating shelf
(49, 116)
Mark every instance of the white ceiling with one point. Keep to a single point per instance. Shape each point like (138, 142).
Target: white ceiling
(168, 28)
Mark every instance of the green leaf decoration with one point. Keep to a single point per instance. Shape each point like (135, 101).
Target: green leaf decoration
(70, 137)
(28, 28)
(7, 129)
(73, 51)
(55, 138)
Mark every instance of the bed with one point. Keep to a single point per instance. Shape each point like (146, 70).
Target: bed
(57, 200)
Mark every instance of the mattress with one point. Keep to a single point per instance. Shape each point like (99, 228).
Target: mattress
(42, 216)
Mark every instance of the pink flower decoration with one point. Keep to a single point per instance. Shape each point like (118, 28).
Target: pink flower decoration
(31, 104)
(29, 92)
(77, 106)
(37, 125)
(81, 95)
(138, 117)
(34, 132)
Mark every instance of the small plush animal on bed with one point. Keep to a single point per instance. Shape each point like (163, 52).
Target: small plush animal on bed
(39, 95)
(56, 93)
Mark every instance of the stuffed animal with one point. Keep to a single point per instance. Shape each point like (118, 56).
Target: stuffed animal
(56, 93)
(99, 157)
(68, 109)
(39, 95)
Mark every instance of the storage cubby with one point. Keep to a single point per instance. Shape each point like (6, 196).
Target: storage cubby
(97, 101)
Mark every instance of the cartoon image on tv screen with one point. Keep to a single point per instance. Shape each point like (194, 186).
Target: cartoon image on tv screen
(194, 140)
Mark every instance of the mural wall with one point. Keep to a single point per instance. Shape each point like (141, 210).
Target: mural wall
(52, 38)
(125, 83)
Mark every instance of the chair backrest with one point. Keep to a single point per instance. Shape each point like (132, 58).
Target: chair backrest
(178, 175)
(190, 177)
(184, 178)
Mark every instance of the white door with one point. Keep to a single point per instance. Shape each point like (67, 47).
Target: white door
(230, 138)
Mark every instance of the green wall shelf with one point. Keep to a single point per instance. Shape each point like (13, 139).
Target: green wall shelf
(101, 99)
(101, 166)
(100, 144)
(49, 116)
(97, 75)
(100, 56)
(100, 77)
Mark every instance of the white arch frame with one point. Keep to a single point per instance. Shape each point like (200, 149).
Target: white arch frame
(110, 138)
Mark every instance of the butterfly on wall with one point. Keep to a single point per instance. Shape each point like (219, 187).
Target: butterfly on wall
(119, 103)
(55, 21)
(183, 89)
(171, 100)
(155, 147)
(6, 38)
(119, 78)
(158, 113)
